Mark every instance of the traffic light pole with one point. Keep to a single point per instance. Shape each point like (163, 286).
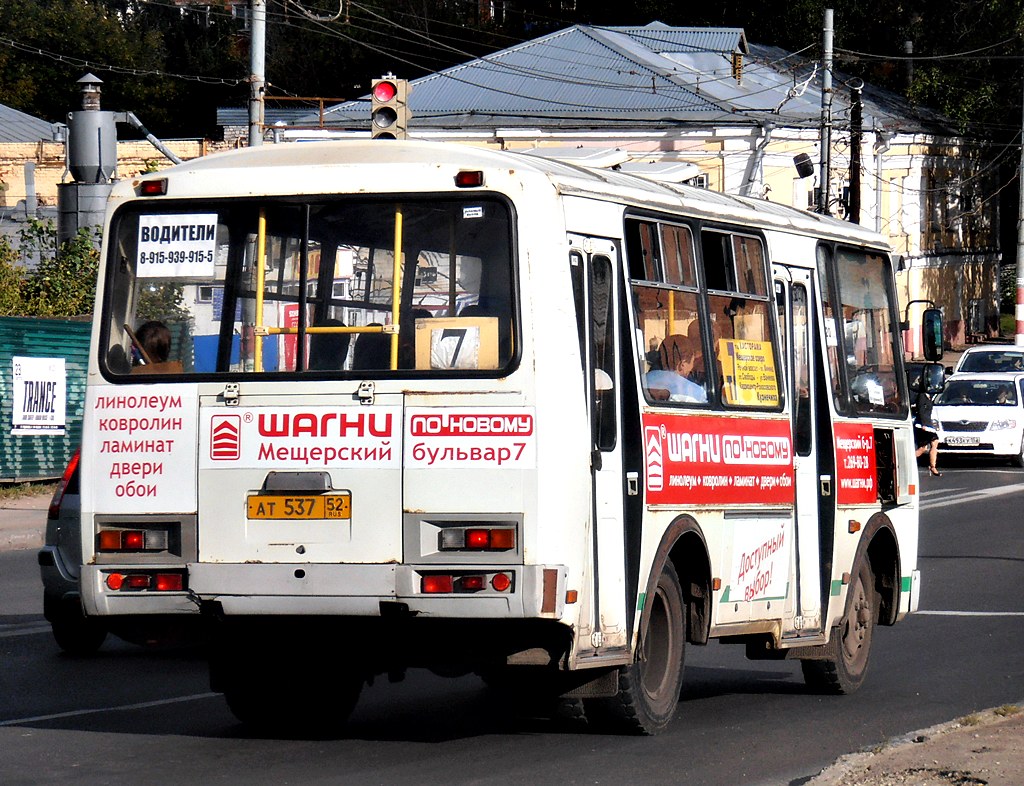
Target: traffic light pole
(826, 112)
(257, 65)
(1019, 311)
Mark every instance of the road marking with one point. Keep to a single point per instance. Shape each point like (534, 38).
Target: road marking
(123, 708)
(972, 613)
(948, 499)
(23, 630)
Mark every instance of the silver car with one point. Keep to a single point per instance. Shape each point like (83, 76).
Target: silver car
(60, 562)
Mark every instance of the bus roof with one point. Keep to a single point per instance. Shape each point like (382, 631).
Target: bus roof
(257, 171)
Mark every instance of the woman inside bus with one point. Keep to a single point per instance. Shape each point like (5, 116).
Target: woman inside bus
(678, 357)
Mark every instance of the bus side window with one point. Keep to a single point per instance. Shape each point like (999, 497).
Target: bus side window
(740, 314)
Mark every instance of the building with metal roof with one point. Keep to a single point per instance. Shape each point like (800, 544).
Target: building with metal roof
(18, 126)
(707, 106)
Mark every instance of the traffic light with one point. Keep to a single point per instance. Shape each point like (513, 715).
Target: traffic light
(389, 108)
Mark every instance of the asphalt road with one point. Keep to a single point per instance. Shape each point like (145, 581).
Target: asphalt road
(129, 714)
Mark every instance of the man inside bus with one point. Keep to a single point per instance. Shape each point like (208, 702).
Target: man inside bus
(678, 356)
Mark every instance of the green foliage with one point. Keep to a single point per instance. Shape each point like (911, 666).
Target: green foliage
(63, 283)
(164, 302)
(10, 280)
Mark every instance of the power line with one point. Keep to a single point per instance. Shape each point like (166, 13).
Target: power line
(91, 65)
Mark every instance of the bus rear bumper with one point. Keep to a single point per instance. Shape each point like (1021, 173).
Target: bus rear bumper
(99, 600)
(450, 591)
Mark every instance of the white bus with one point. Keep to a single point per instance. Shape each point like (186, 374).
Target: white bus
(428, 405)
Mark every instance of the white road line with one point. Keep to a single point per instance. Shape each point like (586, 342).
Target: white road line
(955, 498)
(972, 613)
(27, 630)
(125, 707)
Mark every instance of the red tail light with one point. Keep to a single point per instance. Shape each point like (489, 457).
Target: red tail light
(170, 582)
(58, 496)
(437, 584)
(478, 539)
(161, 582)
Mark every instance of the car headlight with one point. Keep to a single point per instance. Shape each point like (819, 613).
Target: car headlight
(1000, 425)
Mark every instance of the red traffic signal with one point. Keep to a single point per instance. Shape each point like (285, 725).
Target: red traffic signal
(389, 108)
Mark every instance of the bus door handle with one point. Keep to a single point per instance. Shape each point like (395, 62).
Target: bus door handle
(632, 483)
(825, 481)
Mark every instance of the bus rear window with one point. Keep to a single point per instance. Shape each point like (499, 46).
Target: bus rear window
(328, 286)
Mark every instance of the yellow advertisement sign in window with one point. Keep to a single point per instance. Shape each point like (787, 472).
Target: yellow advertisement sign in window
(748, 371)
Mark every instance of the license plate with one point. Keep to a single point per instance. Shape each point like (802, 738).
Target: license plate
(963, 442)
(297, 506)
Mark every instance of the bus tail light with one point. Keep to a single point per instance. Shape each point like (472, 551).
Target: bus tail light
(154, 187)
(127, 540)
(163, 581)
(469, 178)
(454, 584)
(437, 584)
(478, 539)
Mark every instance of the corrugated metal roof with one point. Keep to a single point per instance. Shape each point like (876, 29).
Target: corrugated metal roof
(42, 457)
(653, 76)
(239, 116)
(17, 126)
(577, 74)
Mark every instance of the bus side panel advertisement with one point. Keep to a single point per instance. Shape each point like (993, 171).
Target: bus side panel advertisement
(474, 437)
(699, 460)
(760, 561)
(855, 464)
(145, 459)
(300, 437)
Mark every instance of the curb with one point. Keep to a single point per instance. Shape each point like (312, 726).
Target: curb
(874, 764)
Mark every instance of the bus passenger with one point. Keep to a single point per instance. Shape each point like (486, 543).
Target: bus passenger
(154, 342)
(327, 351)
(672, 382)
(372, 350)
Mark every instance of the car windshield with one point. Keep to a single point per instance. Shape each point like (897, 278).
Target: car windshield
(975, 392)
(993, 360)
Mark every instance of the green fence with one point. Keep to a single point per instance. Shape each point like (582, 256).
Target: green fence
(41, 456)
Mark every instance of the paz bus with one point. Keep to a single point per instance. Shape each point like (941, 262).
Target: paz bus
(424, 405)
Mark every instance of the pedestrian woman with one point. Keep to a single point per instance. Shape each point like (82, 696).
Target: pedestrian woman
(926, 431)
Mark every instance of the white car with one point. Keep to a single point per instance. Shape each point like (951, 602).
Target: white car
(991, 358)
(982, 415)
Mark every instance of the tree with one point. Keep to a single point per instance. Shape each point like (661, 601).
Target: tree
(63, 284)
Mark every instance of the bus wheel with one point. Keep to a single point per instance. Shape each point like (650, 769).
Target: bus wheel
(272, 691)
(294, 709)
(649, 688)
(844, 669)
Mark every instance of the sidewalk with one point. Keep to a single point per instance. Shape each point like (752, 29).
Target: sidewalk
(23, 522)
(984, 748)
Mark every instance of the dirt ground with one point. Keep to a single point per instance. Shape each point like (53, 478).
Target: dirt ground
(983, 749)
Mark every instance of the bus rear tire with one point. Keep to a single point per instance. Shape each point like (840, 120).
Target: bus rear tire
(306, 692)
(649, 688)
(318, 711)
(844, 669)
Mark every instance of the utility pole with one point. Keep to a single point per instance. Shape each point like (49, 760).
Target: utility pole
(1019, 339)
(826, 112)
(856, 139)
(257, 65)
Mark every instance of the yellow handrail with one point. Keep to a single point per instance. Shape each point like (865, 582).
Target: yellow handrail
(396, 286)
(261, 250)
